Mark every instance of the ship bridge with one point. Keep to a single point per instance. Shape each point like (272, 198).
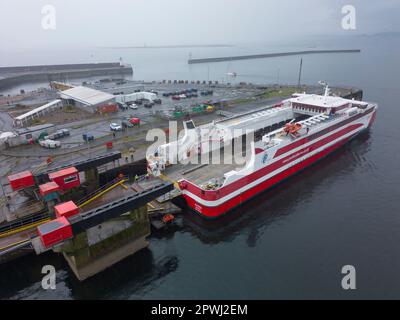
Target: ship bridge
(312, 104)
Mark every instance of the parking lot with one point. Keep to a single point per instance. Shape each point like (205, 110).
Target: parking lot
(99, 127)
(168, 104)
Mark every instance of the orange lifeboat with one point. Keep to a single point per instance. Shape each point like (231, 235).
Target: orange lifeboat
(292, 128)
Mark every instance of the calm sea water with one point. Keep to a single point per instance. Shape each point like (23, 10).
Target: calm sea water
(290, 242)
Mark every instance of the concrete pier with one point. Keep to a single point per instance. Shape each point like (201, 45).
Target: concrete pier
(12, 76)
(269, 55)
(98, 248)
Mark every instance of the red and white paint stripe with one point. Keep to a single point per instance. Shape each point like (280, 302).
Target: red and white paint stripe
(212, 203)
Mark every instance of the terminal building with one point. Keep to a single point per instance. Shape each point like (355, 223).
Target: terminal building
(88, 99)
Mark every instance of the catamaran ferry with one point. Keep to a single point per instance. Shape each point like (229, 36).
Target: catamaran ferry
(305, 128)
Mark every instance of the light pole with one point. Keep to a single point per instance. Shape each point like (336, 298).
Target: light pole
(4, 193)
(277, 80)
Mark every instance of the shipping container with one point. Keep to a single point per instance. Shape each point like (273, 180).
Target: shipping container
(21, 180)
(49, 187)
(66, 209)
(66, 178)
(108, 108)
(55, 231)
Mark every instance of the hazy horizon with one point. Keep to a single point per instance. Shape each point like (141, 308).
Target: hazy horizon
(122, 23)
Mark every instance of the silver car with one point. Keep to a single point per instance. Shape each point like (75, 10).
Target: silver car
(115, 126)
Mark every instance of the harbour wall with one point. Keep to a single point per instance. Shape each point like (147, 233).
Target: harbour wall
(269, 55)
(12, 76)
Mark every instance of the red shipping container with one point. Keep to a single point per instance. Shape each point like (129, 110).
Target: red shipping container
(66, 209)
(55, 231)
(48, 187)
(108, 108)
(66, 178)
(21, 180)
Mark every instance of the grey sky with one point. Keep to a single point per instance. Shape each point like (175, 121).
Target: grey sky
(158, 22)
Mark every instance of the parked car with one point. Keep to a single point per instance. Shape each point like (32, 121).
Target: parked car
(157, 101)
(133, 106)
(115, 126)
(126, 124)
(148, 104)
(50, 144)
(57, 135)
(122, 106)
(87, 137)
(176, 97)
(65, 132)
(135, 121)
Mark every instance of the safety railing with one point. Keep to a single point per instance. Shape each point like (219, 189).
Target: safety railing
(23, 222)
(97, 191)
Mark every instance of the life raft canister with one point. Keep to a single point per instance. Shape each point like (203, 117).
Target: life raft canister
(168, 218)
(182, 184)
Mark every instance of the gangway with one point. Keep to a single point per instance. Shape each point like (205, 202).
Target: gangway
(111, 210)
(80, 165)
(101, 191)
(23, 224)
(15, 246)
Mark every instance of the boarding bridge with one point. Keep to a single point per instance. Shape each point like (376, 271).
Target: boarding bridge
(213, 136)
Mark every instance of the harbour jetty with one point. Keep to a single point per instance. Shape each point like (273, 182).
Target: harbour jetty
(270, 55)
(11, 76)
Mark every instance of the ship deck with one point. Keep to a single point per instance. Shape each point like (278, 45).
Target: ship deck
(313, 123)
(199, 173)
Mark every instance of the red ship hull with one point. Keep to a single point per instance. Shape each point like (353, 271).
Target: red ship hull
(217, 211)
(211, 204)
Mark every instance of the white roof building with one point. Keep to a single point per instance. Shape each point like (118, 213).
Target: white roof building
(323, 101)
(87, 96)
(136, 96)
(24, 119)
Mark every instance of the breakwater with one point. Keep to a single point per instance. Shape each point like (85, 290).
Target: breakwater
(270, 55)
(12, 76)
